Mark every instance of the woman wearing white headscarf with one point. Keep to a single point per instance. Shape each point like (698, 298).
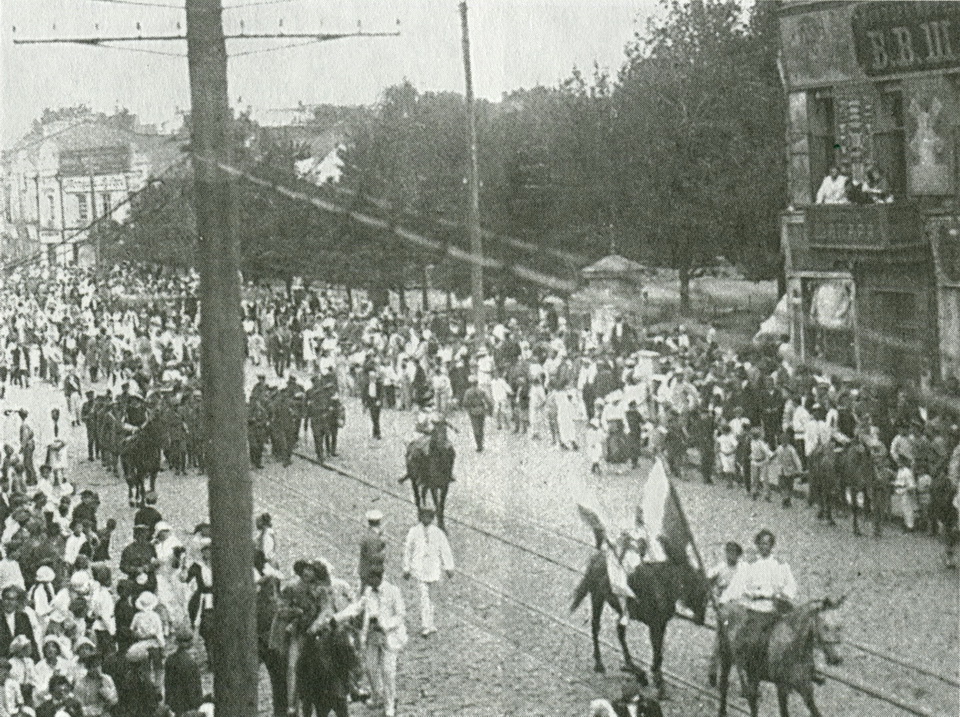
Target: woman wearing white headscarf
(170, 589)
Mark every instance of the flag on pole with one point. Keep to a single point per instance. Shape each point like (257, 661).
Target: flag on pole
(664, 519)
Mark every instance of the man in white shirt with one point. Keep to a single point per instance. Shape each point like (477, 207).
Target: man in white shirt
(426, 552)
(833, 189)
(763, 583)
(386, 634)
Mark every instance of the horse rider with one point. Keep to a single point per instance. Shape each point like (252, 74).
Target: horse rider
(633, 546)
(765, 588)
(764, 585)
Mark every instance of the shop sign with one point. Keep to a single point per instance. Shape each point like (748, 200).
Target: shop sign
(898, 37)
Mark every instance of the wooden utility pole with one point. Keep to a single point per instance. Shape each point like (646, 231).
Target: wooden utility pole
(473, 181)
(234, 663)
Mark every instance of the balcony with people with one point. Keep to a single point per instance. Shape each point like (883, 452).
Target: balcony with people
(859, 216)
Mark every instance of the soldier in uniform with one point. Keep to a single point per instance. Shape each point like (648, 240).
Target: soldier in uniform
(336, 417)
(296, 398)
(87, 417)
(258, 427)
(282, 420)
(317, 400)
(111, 435)
(260, 389)
(193, 414)
(176, 430)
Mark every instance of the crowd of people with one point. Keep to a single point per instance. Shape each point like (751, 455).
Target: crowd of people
(123, 347)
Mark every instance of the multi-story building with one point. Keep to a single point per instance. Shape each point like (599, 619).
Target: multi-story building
(874, 286)
(68, 176)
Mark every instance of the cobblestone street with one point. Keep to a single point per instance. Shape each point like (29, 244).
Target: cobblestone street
(507, 644)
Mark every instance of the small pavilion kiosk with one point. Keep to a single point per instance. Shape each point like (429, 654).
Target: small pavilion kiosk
(611, 286)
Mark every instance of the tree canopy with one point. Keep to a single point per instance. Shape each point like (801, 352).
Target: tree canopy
(674, 161)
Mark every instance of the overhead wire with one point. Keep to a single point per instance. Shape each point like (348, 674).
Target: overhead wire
(137, 49)
(142, 3)
(262, 50)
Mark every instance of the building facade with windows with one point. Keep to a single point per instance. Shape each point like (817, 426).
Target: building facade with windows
(874, 286)
(65, 177)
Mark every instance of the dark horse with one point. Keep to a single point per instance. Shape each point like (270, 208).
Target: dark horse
(781, 653)
(140, 458)
(657, 587)
(430, 460)
(858, 474)
(324, 670)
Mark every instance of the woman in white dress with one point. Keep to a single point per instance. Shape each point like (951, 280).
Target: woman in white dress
(566, 421)
(171, 591)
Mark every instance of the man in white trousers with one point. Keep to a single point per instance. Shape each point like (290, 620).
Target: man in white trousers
(386, 635)
(425, 553)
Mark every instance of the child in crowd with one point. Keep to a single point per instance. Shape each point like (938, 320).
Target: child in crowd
(595, 440)
(760, 455)
(500, 392)
(785, 466)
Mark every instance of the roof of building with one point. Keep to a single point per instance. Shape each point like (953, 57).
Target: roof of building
(92, 134)
(613, 265)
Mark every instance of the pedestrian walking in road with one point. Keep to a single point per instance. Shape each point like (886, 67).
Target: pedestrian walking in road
(386, 635)
(27, 447)
(264, 539)
(426, 552)
(373, 548)
(478, 406)
(373, 398)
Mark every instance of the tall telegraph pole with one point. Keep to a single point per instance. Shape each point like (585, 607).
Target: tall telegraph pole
(473, 181)
(235, 668)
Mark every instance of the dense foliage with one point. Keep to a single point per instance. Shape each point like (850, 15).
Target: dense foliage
(676, 161)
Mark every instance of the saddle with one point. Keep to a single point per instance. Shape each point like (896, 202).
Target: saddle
(749, 633)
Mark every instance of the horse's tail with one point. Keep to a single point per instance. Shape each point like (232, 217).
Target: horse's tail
(589, 579)
(580, 592)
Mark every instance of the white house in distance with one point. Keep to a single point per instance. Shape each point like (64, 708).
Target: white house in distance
(64, 176)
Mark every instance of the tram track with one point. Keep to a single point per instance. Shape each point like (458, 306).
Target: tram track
(851, 682)
(612, 649)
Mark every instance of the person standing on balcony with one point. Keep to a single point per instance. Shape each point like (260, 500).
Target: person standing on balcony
(833, 189)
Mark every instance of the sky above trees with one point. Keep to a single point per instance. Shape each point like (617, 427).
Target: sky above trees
(516, 43)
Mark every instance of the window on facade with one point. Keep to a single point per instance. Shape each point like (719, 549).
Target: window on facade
(51, 209)
(823, 137)
(105, 203)
(83, 208)
(890, 143)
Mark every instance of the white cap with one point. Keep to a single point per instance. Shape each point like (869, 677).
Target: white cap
(374, 516)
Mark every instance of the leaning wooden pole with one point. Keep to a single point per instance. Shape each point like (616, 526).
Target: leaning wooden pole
(234, 658)
(473, 182)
